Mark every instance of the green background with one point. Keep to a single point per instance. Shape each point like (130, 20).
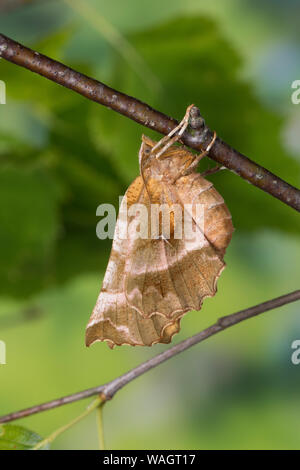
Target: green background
(62, 155)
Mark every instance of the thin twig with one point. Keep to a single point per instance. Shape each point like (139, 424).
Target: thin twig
(108, 390)
(100, 426)
(140, 112)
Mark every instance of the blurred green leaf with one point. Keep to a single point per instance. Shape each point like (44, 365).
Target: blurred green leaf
(18, 438)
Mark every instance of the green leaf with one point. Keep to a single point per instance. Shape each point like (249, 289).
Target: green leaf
(18, 438)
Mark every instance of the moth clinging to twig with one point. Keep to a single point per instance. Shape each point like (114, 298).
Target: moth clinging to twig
(158, 274)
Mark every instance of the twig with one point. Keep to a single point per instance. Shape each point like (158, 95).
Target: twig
(140, 112)
(100, 426)
(108, 390)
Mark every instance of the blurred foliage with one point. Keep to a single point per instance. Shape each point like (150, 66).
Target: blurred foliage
(62, 155)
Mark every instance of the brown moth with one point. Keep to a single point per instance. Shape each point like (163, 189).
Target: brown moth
(152, 281)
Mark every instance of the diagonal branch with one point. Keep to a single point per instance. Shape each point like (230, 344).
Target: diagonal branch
(140, 112)
(107, 391)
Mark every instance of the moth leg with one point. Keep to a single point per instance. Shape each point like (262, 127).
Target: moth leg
(173, 136)
(198, 157)
(212, 171)
(162, 237)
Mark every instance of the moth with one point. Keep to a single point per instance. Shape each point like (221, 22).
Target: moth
(151, 282)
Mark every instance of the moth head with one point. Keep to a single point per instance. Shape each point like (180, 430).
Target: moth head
(170, 164)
